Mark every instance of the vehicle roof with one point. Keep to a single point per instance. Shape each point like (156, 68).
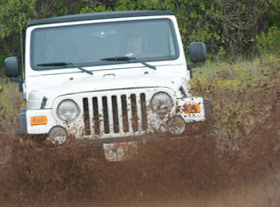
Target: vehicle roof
(98, 15)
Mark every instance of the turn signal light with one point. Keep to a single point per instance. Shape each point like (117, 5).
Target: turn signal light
(191, 108)
(38, 120)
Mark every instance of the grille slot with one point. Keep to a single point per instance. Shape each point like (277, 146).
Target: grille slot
(105, 115)
(124, 114)
(143, 111)
(115, 114)
(86, 116)
(134, 117)
(96, 121)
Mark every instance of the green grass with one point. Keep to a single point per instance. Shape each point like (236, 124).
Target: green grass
(11, 100)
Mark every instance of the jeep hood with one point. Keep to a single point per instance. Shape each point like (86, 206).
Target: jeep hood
(45, 96)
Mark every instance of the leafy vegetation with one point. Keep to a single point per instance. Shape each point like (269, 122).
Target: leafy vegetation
(230, 29)
(269, 43)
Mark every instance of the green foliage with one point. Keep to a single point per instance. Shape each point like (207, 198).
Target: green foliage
(14, 16)
(269, 42)
(230, 29)
(274, 10)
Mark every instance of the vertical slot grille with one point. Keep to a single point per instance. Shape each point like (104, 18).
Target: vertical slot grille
(105, 115)
(86, 116)
(96, 121)
(143, 111)
(115, 114)
(124, 113)
(134, 112)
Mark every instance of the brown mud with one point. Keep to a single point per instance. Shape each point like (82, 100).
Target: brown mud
(187, 172)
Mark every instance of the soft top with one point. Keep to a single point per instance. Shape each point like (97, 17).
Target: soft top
(98, 15)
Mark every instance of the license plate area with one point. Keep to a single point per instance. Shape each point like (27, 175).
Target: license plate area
(116, 152)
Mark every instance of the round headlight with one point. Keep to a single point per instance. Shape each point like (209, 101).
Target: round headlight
(176, 125)
(58, 135)
(68, 110)
(161, 102)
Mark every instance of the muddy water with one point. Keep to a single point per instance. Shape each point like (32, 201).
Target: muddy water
(188, 172)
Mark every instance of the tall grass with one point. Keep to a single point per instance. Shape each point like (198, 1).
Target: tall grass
(11, 100)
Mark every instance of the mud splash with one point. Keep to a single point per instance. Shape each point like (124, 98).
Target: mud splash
(73, 173)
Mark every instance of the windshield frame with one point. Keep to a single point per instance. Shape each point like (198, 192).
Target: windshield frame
(105, 63)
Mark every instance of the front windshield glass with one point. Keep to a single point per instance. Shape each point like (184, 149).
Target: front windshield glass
(100, 43)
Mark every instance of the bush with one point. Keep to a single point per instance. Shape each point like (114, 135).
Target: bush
(269, 42)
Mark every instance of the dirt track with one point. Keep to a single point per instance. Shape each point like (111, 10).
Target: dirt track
(191, 172)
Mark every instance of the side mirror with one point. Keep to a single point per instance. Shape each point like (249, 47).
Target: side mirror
(12, 66)
(197, 52)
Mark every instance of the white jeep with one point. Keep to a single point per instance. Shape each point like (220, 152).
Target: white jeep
(110, 76)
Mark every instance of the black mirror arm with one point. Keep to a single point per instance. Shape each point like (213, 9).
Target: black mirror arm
(18, 80)
(191, 66)
(194, 65)
(191, 72)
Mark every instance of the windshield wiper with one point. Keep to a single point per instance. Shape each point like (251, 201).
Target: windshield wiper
(85, 70)
(55, 64)
(129, 59)
(120, 58)
(65, 64)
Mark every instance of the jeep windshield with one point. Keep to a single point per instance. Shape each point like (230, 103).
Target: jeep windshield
(92, 44)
